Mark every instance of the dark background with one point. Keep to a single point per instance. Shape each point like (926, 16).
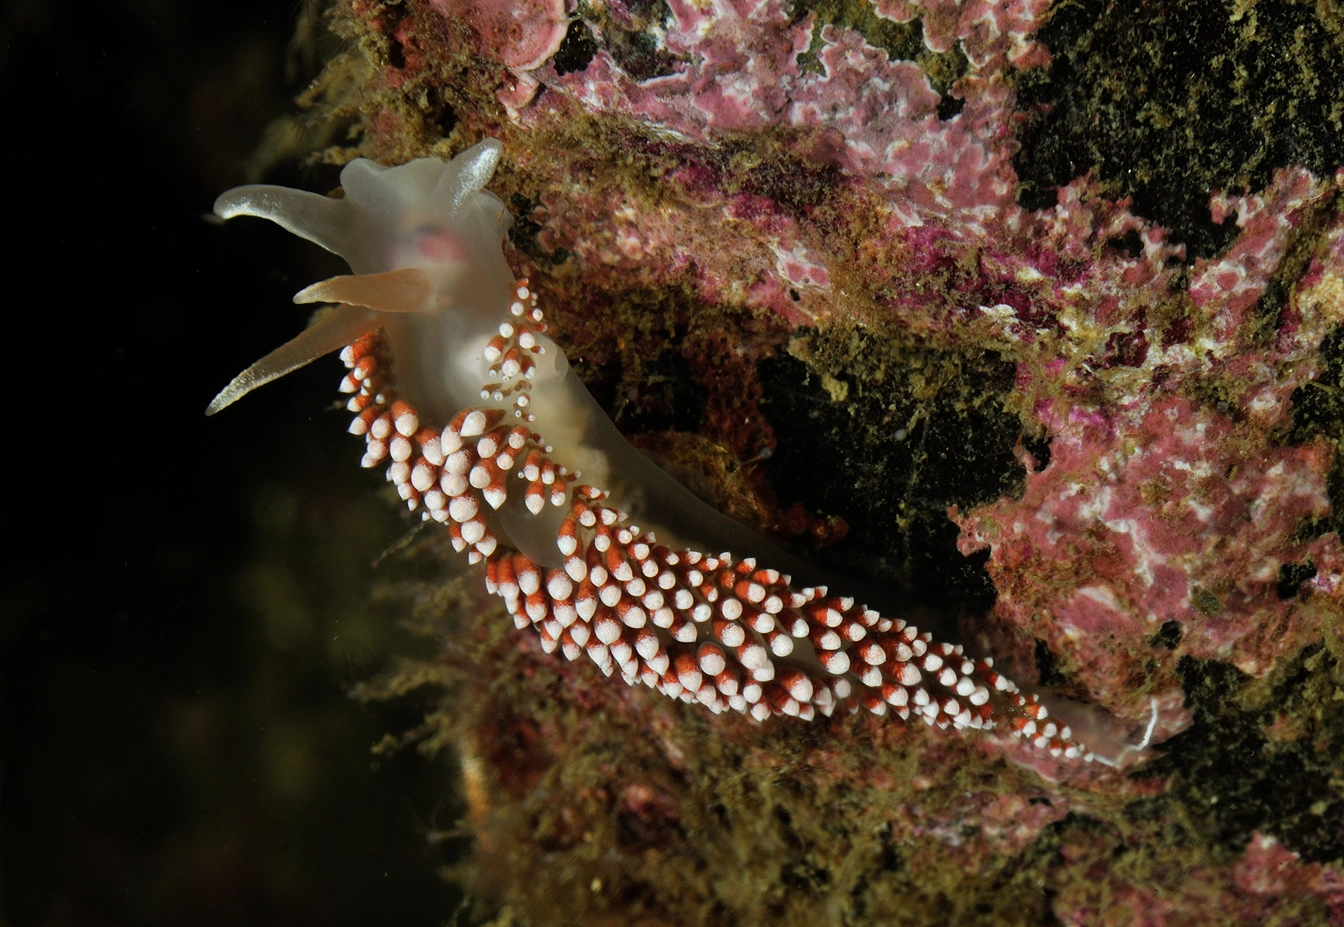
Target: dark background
(185, 600)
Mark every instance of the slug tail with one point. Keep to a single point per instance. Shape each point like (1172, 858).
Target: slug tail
(1110, 740)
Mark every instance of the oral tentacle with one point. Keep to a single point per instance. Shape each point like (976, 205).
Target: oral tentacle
(404, 290)
(337, 327)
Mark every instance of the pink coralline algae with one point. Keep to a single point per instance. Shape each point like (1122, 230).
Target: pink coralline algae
(521, 36)
(1270, 869)
(1157, 507)
(736, 70)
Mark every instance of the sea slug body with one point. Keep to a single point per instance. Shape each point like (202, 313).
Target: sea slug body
(583, 538)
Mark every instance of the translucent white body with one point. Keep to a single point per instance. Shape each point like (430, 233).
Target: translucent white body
(439, 219)
(425, 244)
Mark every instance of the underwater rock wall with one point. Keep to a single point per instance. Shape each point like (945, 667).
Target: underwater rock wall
(871, 277)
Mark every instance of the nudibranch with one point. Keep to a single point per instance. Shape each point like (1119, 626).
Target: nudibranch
(483, 427)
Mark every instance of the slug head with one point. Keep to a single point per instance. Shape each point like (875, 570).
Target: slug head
(423, 240)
